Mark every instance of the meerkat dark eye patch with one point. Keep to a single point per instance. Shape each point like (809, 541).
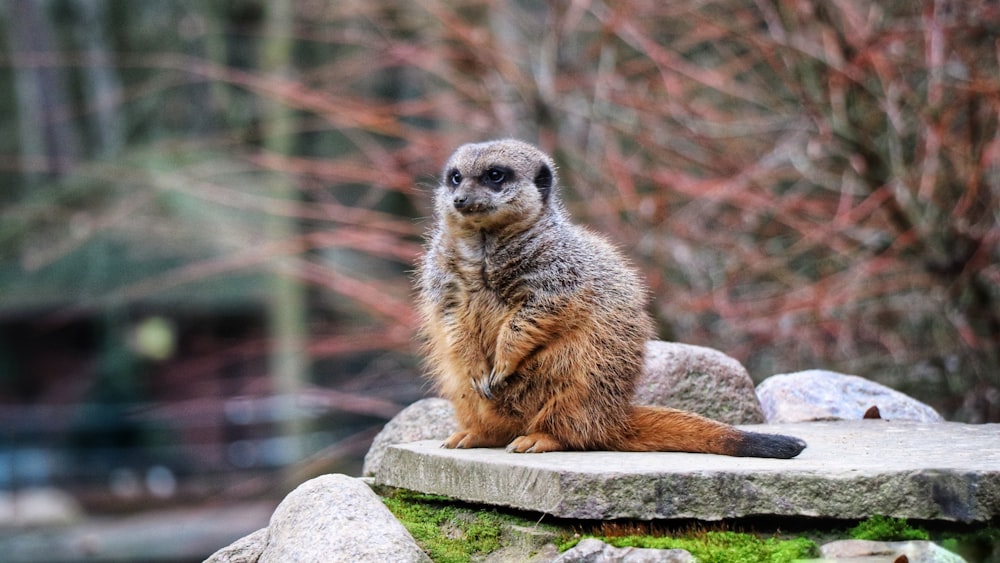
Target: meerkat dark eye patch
(454, 177)
(543, 181)
(495, 177)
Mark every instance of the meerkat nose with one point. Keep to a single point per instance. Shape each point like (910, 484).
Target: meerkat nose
(460, 202)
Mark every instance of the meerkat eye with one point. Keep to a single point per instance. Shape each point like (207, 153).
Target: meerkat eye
(494, 178)
(455, 178)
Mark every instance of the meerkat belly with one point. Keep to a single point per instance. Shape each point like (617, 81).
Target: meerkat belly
(468, 343)
(485, 314)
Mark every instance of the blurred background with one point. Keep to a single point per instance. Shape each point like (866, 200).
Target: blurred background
(210, 209)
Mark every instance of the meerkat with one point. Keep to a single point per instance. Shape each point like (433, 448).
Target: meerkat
(535, 328)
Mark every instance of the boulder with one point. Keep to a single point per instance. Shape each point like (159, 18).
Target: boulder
(525, 544)
(337, 514)
(333, 517)
(826, 395)
(426, 419)
(851, 470)
(244, 550)
(864, 550)
(698, 379)
(595, 551)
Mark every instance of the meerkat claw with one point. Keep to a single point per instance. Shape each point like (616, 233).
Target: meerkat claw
(496, 378)
(482, 386)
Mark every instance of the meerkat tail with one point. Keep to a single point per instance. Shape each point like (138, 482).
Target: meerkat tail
(670, 430)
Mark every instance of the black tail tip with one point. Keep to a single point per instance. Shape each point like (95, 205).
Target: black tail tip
(753, 444)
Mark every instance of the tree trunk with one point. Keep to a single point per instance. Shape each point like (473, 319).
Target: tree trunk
(47, 138)
(288, 318)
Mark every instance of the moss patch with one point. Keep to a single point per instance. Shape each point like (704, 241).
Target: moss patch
(447, 532)
(723, 547)
(971, 543)
(883, 528)
(451, 531)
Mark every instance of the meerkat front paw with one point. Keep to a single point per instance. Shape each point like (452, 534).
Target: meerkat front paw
(487, 383)
(481, 385)
(480, 380)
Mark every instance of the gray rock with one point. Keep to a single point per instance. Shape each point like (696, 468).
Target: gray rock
(596, 551)
(851, 470)
(244, 550)
(426, 419)
(915, 551)
(827, 395)
(700, 380)
(336, 517)
(524, 544)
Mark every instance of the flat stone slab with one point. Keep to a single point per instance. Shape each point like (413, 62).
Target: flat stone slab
(851, 469)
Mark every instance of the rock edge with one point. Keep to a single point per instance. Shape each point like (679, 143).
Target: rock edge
(851, 470)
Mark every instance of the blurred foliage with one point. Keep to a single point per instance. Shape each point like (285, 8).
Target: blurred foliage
(803, 183)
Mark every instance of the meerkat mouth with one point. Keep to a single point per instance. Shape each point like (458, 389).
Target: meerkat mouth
(474, 209)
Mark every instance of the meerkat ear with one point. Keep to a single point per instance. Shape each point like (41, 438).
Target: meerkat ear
(543, 181)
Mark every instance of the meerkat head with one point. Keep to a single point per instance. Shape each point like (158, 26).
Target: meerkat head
(497, 184)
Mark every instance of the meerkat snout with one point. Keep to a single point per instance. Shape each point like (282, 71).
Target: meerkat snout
(467, 204)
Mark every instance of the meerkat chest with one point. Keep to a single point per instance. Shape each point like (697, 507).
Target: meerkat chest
(481, 264)
(482, 287)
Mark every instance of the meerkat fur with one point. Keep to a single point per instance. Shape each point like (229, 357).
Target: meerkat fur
(535, 328)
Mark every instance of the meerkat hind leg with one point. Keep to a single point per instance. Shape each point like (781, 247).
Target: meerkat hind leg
(468, 439)
(536, 442)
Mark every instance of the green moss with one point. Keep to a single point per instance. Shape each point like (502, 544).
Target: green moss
(884, 528)
(448, 534)
(450, 531)
(722, 547)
